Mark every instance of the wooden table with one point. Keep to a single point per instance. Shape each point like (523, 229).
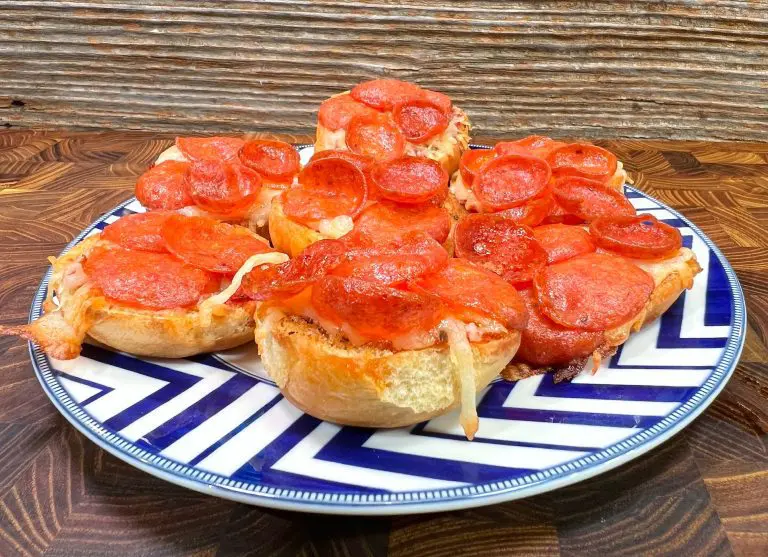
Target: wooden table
(704, 492)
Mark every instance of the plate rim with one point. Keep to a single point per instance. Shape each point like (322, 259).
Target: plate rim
(439, 500)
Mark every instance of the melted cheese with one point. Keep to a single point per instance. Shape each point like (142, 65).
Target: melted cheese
(273, 258)
(336, 227)
(464, 368)
(465, 195)
(171, 154)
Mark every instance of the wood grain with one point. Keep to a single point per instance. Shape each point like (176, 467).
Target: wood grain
(702, 493)
(673, 69)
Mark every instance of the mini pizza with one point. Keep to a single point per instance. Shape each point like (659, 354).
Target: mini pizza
(340, 192)
(386, 119)
(365, 333)
(538, 180)
(225, 178)
(156, 284)
(586, 289)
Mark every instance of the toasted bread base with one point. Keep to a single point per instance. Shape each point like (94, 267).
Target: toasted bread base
(446, 148)
(366, 386)
(671, 277)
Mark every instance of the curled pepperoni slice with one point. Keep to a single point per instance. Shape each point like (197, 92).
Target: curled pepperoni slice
(376, 137)
(215, 246)
(141, 231)
(642, 236)
(328, 188)
(225, 188)
(287, 279)
(398, 261)
(384, 94)
(410, 180)
(471, 162)
(152, 280)
(544, 343)
(440, 100)
(595, 291)
(500, 245)
(209, 148)
(362, 162)
(162, 187)
(580, 159)
(532, 213)
(509, 181)
(533, 145)
(389, 220)
(589, 199)
(562, 242)
(419, 120)
(470, 291)
(336, 112)
(373, 310)
(276, 161)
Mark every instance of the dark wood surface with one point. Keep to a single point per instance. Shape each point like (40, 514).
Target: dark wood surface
(705, 492)
(675, 69)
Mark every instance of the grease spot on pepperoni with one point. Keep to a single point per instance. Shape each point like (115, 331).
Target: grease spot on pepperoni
(152, 281)
(509, 181)
(328, 188)
(580, 159)
(374, 310)
(209, 148)
(410, 180)
(469, 291)
(419, 120)
(641, 236)
(162, 187)
(215, 246)
(500, 245)
(276, 161)
(140, 231)
(595, 291)
(376, 137)
(589, 199)
(562, 241)
(224, 188)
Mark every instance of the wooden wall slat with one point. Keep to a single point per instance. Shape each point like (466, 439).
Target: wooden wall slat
(671, 69)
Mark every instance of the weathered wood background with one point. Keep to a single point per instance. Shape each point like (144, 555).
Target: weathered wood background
(673, 69)
(704, 492)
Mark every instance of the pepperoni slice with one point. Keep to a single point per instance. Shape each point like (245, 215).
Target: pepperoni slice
(162, 187)
(509, 181)
(642, 236)
(410, 180)
(472, 161)
(533, 145)
(376, 137)
(328, 188)
(389, 220)
(151, 280)
(287, 279)
(384, 94)
(141, 231)
(440, 100)
(580, 159)
(500, 245)
(595, 291)
(545, 343)
(215, 246)
(589, 199)
(470, 291)
(336, 112)
(225, 188)
(277, 161)
(362, 162)
(398, 261)
(532, 213)
(209, 148)
(562, 241)
(373, 310)
(419, 120)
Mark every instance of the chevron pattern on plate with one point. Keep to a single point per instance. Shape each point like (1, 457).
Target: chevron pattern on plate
(217, 422)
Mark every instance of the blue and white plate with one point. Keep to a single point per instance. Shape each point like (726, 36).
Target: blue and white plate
(218, 425)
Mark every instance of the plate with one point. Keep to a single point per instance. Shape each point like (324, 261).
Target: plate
(217, 424)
